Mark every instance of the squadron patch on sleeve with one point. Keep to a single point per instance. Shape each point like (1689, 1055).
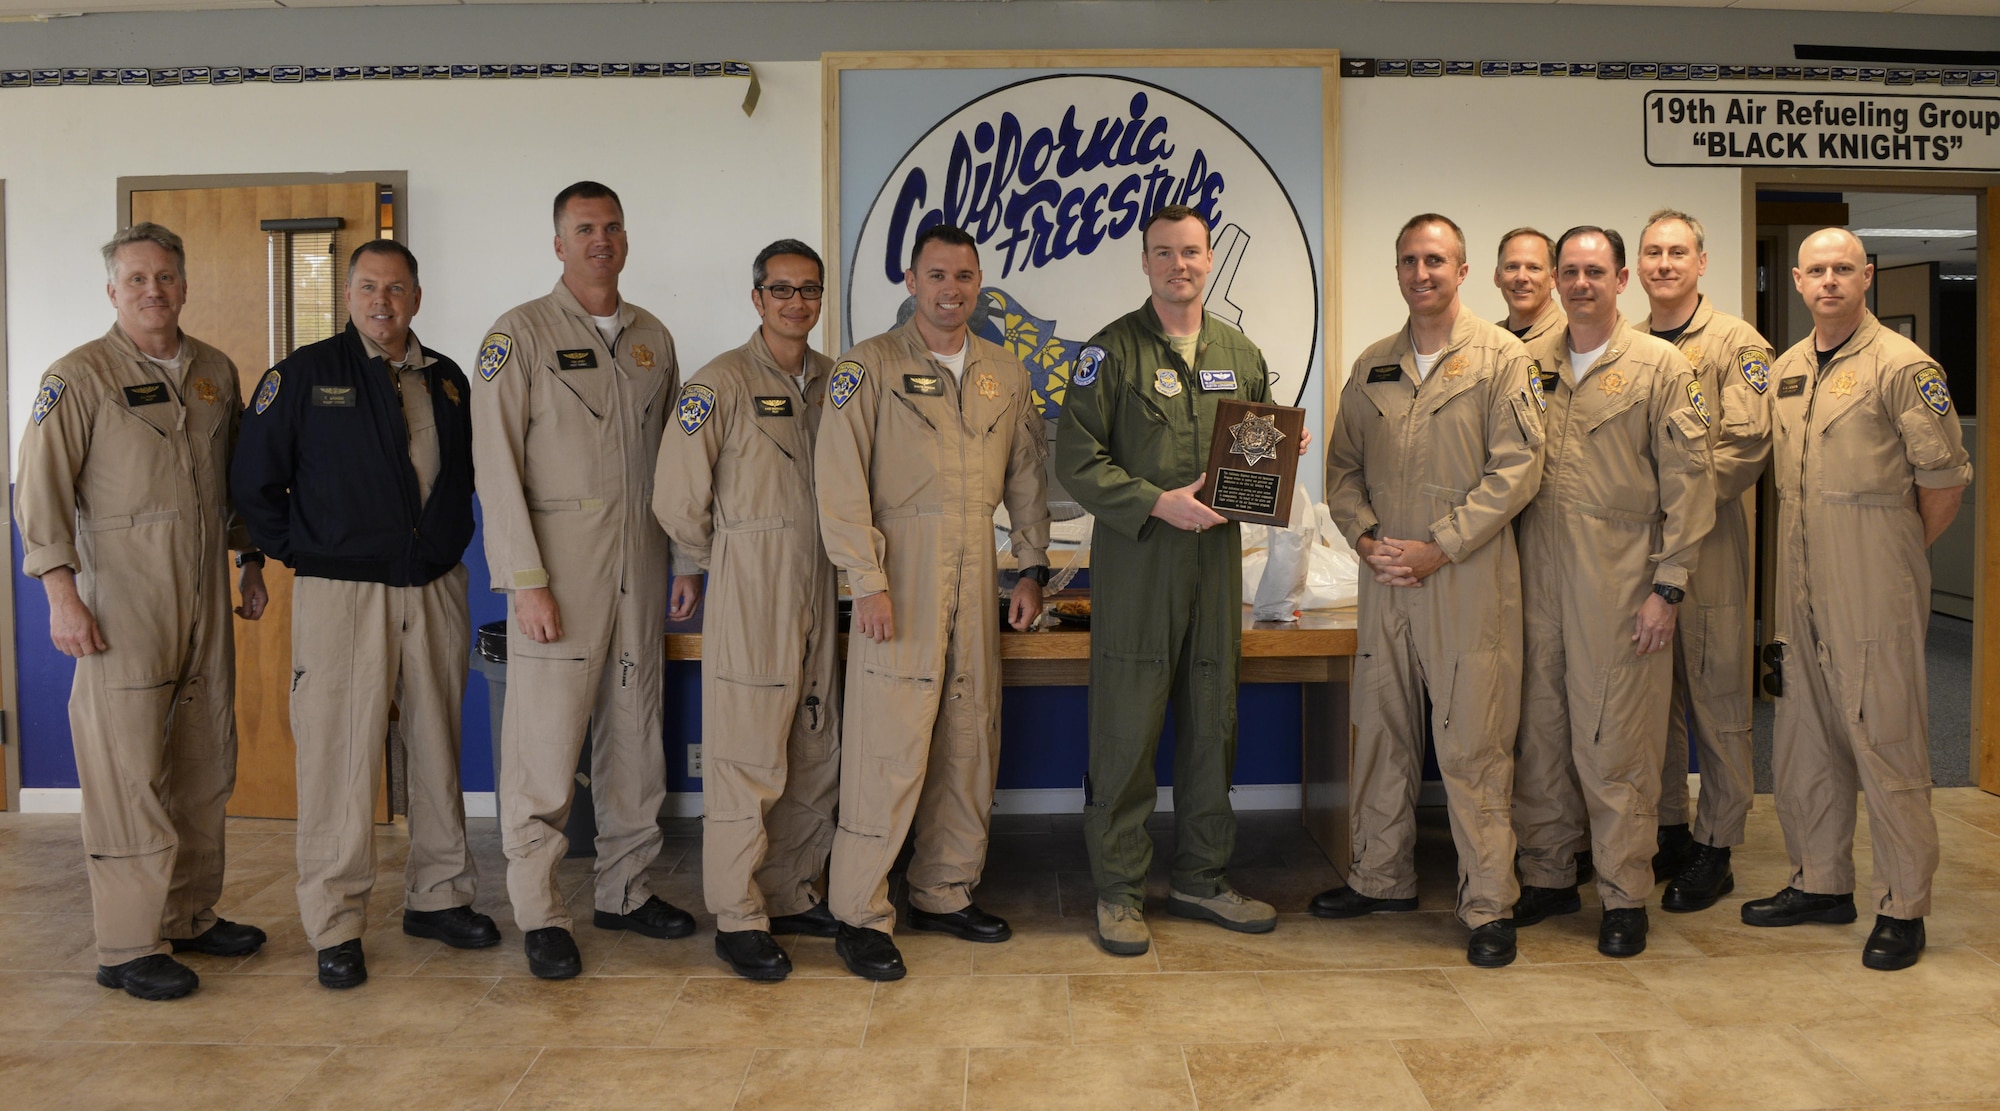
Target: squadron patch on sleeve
(46, 397)
(1086, 366)
(1937, 395)
(846, 380)
(1696, 399)
(267, 391)
(493, 354)
(1535, 387)
(1756, 368)
(697, 402)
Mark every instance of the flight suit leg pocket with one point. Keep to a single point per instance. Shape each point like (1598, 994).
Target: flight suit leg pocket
(554, 681)
(1886, 719)
(884, 759)
(1719, 663)
(758, 709)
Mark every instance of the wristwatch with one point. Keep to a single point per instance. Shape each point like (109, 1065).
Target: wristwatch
(1039, 574)
(244, 559)
(1673, 594)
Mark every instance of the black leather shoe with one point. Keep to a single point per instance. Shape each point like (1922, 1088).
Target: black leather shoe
(343, 965)
(869, 954)
(1491, 945)
(1623, 932)
(655, 918)
(1586, 867)
(224, 939)
(816, 922)
(458, 927)
(970, 924)
(1894, 943)
(155, 976)
(1791, 906)
(1676, 852)
(1345, 902)
(1537, 903)
(552, 953)
(752, 954)
(1705, 879)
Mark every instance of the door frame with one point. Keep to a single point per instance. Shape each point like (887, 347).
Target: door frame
(10, 674)
(1985, 188)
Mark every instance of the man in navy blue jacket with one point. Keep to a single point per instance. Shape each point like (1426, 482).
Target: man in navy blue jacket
(355, 470)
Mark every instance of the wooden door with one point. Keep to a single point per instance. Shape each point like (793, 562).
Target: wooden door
(228, 306)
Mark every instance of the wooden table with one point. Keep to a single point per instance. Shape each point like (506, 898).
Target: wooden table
(1315, 652)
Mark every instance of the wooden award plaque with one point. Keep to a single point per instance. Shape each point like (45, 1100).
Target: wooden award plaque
(1253, 462)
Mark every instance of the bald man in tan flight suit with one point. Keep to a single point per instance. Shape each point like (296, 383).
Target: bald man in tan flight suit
(1606, 550)
(568, 406)
(1870, 464)
(1712, 671)
(123, 505)
(734, 489)
(913, 456)
(1432, 456)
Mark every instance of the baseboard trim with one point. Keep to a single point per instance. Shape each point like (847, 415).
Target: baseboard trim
(687, 804)
(51, 800)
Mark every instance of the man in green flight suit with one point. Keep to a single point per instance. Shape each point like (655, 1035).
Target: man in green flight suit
(1167, 605)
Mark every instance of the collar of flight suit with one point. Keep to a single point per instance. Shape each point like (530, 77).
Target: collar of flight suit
(129, 348)
(921, 350)
(1551, 317)
(374, 350)
(760, 353)
(1704, 314)
(1620, 342)
(1864, 334)
(1404, 350)
(1150, 318)
(567, 301)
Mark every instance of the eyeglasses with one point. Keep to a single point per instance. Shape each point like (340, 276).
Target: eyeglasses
(784, 292)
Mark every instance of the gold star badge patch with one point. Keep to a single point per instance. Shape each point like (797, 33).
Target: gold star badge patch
(989, 387)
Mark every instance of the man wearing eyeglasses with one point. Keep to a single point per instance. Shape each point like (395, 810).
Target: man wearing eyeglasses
(734, 489)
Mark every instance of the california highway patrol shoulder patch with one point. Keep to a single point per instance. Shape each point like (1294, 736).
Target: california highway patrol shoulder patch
(267, 391)
(697, 402)
(1937, 395)
(1756, 368)
(1696, 399)
(493, 355)
(1086, 366)
(846, 379)
(1535, 387)
(46, 397)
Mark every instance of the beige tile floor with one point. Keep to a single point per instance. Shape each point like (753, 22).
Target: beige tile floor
(1380, 1013)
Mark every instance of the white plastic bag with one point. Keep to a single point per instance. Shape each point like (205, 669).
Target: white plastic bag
(1334, 579)
(1281, 589)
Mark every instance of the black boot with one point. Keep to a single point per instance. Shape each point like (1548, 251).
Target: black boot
(155, 976)
(1705, 879)
(343, 965)
(1623, 932)
(752, 954)
(869, 954)
(1790, 906)
(1676, 852)
(1537, 903)
(1894, 944)
(552, 953)
(1491, 945)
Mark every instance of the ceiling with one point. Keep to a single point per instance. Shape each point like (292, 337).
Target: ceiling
(1915, 210)
(39, 9)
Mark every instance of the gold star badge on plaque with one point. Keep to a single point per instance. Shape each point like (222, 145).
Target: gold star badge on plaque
(1612, 382)
(1257, 439)
(644, 356)
(989, 387)
(1843, 385)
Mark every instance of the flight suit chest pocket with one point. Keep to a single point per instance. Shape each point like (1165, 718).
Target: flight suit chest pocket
(1607, 411)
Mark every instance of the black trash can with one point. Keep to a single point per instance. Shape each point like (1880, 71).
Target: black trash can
(489, 658)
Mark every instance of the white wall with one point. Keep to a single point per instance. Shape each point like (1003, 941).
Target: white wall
(1495, 154)
(704, 188)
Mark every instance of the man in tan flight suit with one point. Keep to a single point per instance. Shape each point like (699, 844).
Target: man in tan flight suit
(1870, 465)
(1526, 279)
(122, 502)
(928, 428)
(734, 489)
(1525, 275)
(1712, 670)
(1433, 453)
(568, 407)
(1606, 550)
(355, 470)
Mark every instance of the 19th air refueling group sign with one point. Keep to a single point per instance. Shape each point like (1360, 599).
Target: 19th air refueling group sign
(1052, 174)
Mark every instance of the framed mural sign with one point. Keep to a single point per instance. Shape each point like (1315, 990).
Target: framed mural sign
(1053, 160)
